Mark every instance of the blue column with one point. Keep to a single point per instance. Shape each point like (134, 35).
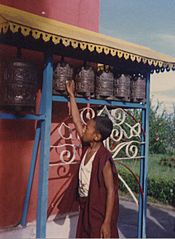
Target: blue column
(44, 150)
(146, 154)
(144, 164)
(33, 160)
(140, 212)
(31, 175)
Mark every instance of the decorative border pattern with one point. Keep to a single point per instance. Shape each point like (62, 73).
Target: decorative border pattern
(74, 43)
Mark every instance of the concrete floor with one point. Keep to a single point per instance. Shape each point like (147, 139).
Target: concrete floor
(160, 224)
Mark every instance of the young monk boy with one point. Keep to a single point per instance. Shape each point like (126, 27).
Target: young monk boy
(98, 180)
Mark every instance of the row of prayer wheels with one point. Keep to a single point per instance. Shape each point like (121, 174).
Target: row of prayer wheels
(101, 85)
(19, 84)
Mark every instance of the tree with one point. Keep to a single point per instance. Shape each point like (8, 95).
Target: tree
(162, 130)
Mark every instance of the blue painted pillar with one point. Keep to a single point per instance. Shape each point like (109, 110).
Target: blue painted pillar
(141, 233)
(31, 176)
(33, 160)
(140, 213)
(145, 177)
(44, 149)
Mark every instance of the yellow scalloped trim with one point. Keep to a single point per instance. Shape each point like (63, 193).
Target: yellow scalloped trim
(66, 42)
(99, 49)
(106, 50)
(56, 40)
(25, 31)
(138, 59)
(126, 56)
(133, 57)
(113, 52)
(14, 27)
(46, 37)
(74, 43)
(91, 47)
(120, 54)
(160, 63)
(150, 62)
(36, 34)
(144, 60)
(155, 63)
(4, 27)
(83, 45)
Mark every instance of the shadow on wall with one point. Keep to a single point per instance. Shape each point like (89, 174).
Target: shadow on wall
(68, 205)
(15, 155)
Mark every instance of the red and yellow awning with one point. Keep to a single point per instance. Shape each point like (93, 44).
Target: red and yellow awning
(15, 20)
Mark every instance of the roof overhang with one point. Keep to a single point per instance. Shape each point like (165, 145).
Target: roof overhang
(37, 30)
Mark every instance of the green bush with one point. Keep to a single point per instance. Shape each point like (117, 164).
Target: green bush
(162, 130)
(168, 161)
(162, 189)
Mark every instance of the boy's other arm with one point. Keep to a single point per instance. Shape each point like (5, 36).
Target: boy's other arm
(74, 108)
(109, 183)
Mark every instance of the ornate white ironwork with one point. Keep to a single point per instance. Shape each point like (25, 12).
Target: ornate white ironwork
(125, 137)
(123, 143)
(86, 114)
(128, 188)
(62, 128)
(67, 156)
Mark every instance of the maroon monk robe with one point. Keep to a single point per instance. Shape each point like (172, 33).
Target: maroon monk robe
(93, 207)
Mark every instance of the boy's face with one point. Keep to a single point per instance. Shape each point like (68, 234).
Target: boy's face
(89, 132)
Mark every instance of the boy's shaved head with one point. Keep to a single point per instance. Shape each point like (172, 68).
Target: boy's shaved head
(104, 126)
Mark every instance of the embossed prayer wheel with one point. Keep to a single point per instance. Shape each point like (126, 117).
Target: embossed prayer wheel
(85, 81)
(20, 85)
(138, 88)
(62, 73)
(122, 85)
(104, 84)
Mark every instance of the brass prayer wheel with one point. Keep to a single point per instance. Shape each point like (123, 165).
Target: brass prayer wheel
(20, 85)
(85, 81)
(62, 73)
(122, 84)
(138, 88)
(104, 83)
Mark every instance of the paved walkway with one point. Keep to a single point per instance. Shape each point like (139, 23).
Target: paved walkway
(160, 222)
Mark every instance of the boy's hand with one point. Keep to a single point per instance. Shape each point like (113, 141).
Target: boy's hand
(70, 86)
(105, 231)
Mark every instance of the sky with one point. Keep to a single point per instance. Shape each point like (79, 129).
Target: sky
(150, 23)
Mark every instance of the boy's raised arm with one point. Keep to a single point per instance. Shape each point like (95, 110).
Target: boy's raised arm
(70, 85)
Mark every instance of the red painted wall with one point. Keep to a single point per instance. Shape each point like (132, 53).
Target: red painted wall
(16, 137)
(82, 13)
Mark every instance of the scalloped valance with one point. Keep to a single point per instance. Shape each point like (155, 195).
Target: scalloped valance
(15, 20)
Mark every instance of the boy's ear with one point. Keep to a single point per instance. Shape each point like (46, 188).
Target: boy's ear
(97, 137)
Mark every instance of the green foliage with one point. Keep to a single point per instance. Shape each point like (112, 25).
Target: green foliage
(162, 189)
(168, 161)
(162, 130)
(130, 181)
(161, 176)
